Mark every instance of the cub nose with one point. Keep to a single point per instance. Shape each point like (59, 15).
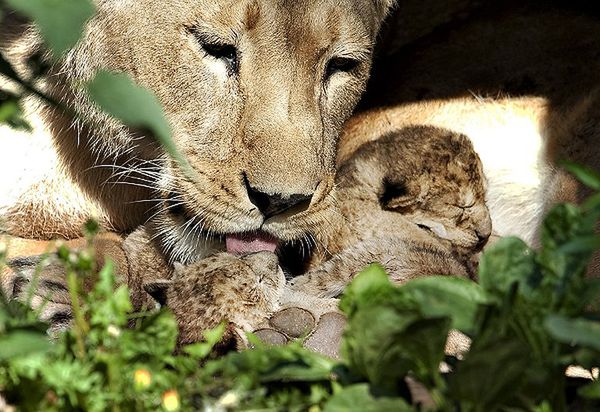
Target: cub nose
(274, 204)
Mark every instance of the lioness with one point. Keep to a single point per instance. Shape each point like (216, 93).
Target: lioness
(256, 92)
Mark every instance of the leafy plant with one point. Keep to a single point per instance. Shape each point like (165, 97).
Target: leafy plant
(532, 314)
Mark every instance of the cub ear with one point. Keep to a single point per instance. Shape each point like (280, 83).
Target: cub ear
(158, 290)
(397, 196)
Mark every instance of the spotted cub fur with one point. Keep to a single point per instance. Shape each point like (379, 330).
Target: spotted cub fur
(413, 200)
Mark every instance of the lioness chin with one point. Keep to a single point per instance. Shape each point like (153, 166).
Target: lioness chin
(255, 91)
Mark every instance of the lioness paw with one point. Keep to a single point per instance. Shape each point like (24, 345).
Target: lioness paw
(317, 321)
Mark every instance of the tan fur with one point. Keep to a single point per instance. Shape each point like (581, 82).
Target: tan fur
(520, 142)
(413, 200)
(242, 291)
(273, 120)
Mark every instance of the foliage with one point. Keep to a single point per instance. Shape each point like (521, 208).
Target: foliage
(61, 22)
(532, 314)
(135, 106)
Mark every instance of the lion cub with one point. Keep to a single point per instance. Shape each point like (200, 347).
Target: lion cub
(413, 200)
(240, 290)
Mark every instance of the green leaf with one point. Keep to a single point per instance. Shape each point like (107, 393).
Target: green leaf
(383, 344)
(19, 343)
(447, 296)
(135, 106)
(584, 174)
(507, 262)
(312, 368)
(576, 331)
(211, 337)
(155, 335)
(359, 398)
(563, 223)
(370, 281)
(492, 373)
(372, 277)
(583, 244)
(61, 22)
(591, 391)
(109, 306)
(12, 115)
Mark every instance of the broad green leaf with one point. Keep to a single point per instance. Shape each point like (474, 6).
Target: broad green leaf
(567, 247)
(370, 341)
(447, 296)
(383, 343)
(135, 106)
(371, 281)
(583, 244)
(18, 343)
(61, 22)
(491, 373)
(586, 175)
(507, 262)
(577, 331)
(373, 276)
(312, 367)
(359, 398)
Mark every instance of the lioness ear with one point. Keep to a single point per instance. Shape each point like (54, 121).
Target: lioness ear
(384, 7)
(158, 290)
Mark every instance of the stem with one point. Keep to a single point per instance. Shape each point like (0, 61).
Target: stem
(81, 327)
(31, 89)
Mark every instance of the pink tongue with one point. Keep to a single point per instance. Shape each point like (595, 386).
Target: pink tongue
(240, 244)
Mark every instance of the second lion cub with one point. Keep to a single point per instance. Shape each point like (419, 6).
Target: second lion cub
(413, 200)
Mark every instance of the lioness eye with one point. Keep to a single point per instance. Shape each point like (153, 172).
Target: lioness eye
(225, 52)
(219, 50)
(340, 64)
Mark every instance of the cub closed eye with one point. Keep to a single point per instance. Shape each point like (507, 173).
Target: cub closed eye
(340, 65)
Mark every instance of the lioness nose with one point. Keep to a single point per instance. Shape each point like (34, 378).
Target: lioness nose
(274, 204)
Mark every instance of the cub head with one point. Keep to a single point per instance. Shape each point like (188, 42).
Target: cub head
(255, 91)
(431, 176)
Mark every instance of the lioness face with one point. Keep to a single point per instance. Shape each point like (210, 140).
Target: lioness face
(256, 92)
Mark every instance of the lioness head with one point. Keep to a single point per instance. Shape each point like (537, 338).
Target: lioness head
(256, 92)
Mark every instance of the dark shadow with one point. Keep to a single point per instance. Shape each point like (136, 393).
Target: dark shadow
(491, 48)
